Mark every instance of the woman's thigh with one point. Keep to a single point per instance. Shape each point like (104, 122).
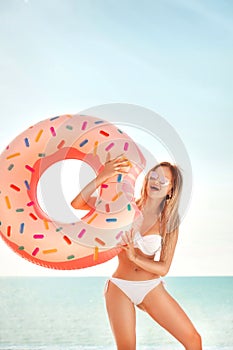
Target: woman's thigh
(121, 313)
(164, 309)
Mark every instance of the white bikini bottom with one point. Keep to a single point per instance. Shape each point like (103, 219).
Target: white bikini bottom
(135, 290)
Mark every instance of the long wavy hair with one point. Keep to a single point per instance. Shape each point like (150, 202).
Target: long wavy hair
(169, 207)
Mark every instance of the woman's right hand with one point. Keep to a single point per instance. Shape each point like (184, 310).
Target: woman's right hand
(111, 168)
(115, 166)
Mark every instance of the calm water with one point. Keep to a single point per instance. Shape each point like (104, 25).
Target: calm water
(69, 314)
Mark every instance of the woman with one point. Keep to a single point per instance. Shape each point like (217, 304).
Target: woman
(145, 257)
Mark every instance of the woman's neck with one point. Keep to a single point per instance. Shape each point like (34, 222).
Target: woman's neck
(152, 207)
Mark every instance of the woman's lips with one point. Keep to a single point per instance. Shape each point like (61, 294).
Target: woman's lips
(154, 188)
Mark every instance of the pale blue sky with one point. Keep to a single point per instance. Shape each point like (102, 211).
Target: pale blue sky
(174, 57)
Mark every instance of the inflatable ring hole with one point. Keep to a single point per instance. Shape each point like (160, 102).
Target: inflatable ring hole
(59, 185)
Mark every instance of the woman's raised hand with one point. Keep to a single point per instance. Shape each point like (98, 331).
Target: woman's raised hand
(127, 244)
(112, 167)
(116, 166)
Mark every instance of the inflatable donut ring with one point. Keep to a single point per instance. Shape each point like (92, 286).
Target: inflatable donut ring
(92, 240)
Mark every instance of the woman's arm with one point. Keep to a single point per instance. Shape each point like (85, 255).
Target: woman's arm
(113, 167)
(160, 267)
(84, 200)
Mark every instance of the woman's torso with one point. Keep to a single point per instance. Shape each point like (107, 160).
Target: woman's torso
(127, 269)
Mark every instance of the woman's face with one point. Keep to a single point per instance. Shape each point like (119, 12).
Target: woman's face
(159, 182)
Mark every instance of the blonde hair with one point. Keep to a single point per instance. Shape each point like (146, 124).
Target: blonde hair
(169, 206)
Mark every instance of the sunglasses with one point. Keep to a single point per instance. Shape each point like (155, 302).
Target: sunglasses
(164, 181)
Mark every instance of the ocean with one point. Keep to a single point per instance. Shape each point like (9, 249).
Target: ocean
(68, 313)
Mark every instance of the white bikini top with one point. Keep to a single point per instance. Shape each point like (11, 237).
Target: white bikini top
(149, 244)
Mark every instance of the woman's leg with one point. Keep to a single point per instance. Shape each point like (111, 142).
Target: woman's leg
(159, 304)
(121, 313)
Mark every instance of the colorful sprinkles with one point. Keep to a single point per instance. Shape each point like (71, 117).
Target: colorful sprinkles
(27, 185)
(100, 241)
(27, 142)
(67, 240)
(92, 219)
(111, 219)
(83, 143)
(50, 251)
(104, 186)
(61, 144)
(104, 133)
(119, 235)
(13, 155)
(28, 167)
(119, 177)
(38, 136)
(95, 148)
(111, 145)
(14, 187)
(10, 167)
(70, 257)
(117, 196)
(96, 253)
(33, 216)
(8, 231)
(126, 146)
(35, 251)
(54, 118)
(8, 203)
(21, 228)
(84, 125)
(53, 132)
(37, 236)
(81, 233)
(46, 224)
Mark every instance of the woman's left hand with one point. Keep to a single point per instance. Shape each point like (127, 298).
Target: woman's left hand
(128, 245)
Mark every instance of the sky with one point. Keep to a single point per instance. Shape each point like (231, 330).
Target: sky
(171, 57)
